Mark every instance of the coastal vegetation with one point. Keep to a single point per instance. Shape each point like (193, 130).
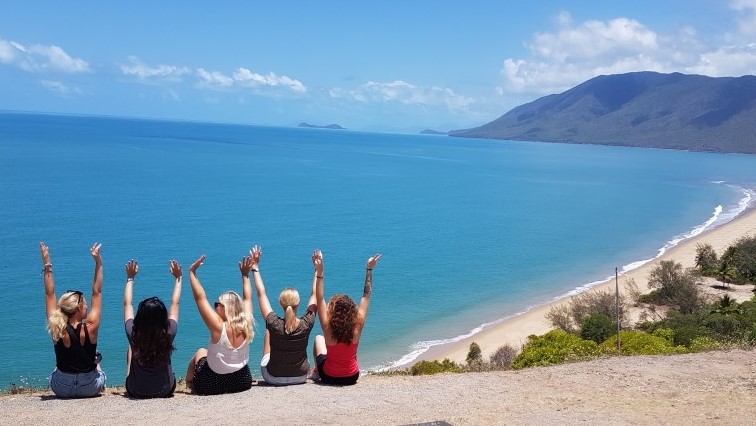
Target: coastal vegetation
(676, 317)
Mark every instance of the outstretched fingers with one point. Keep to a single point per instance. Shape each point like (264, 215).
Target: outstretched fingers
(175, 268)
(132, 268)
(197, 263)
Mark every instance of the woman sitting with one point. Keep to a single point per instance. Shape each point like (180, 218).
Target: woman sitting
(149, 373)
(77, 373)
(222, 367)
(342, 322)
(284, 360)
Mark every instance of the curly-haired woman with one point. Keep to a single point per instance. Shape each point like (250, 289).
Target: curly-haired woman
(223, 366)
(342, 323)
(74, 333)
(149, 373)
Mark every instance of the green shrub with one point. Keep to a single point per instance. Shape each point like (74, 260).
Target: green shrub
(597, 327)
(665, 333)
(743, 259)
(571, 315)
(435, 367)
(503, 357)
(554, 347)
(474, 356)
(702, 344)
(639, 343)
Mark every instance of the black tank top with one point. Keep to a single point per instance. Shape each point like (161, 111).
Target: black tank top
(77, 358)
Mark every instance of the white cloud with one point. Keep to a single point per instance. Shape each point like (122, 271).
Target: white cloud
(404, 93)
(40, 58)
(214, 79)
(577, 52)
(747, 19)
(161, 72)
(58, 87)
(247, 78)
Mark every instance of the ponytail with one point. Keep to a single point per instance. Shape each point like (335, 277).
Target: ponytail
(56, 324)
(67, 305)
(289, 300)
(290, 320)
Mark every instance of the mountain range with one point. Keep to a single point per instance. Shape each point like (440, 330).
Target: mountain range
(642, 109)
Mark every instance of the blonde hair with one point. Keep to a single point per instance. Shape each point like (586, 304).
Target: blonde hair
(68, 304)
(289, 300)
(240, 321)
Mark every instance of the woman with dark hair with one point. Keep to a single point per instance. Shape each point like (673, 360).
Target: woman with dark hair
(149, 373)
(223, 366)
(342, 322)
(284, 360)
(74, 332)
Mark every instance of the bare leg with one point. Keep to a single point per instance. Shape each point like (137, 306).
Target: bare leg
(201, 352)
(266, 343)
(319, 347)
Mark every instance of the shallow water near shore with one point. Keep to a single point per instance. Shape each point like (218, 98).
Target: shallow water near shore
(471, 231)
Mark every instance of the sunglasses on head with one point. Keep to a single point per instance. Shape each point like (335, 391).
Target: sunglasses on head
(77, 293)
(218, 304)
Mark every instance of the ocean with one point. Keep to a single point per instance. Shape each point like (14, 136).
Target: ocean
(471, 230)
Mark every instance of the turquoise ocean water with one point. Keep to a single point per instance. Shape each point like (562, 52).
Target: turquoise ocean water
(471, 230)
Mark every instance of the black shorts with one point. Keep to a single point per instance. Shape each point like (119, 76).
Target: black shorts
(330, 380)
(208, 382)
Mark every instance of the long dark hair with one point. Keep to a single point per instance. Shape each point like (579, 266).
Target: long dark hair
(149, 336)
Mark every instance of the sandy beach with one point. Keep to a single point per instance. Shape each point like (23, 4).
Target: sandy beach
(515, 331)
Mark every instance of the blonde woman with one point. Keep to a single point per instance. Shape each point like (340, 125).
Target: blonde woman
(223, 366)
(284, 360)
(77, 373)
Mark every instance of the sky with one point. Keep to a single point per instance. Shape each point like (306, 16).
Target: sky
(390, 66)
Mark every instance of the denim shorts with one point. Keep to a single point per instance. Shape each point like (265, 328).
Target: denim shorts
(82, 385)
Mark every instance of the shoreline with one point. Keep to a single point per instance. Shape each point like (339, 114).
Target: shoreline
(515, 330)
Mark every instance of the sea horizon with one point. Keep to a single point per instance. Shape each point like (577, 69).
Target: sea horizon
(464, 224)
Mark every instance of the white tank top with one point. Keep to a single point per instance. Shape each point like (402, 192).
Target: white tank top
(224, 358)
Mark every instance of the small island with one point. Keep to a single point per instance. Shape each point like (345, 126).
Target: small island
(313, 126)
(433, 132)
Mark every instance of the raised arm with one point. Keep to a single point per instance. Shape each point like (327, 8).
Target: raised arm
(317, 274)
(252, 263)
(317, 261)
(95, 308)
(212, 320)
(175, 269)
(51, 305)
(132, 268)
(368, 289)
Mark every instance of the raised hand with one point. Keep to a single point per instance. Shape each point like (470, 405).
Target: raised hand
(255, 255)
(317, 262)
(45, 252)
(197, 263)
(245, 265)
(95, 252)
(175, 268)
(373, 261)
(132, 268)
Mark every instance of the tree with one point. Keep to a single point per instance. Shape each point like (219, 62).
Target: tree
(674, 287)
(474, 356)
(598, 327)
(743, 259)
(706, 259)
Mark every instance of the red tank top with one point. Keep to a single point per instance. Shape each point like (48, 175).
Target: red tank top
(342, 360)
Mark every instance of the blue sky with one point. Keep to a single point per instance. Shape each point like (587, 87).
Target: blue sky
(398, 66)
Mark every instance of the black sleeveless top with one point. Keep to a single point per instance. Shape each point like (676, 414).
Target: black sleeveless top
(77, 358)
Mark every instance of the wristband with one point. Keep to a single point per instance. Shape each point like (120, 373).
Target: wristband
(129, 279)
(254, 270)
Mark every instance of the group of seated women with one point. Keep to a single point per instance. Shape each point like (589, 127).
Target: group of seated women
(222, 367)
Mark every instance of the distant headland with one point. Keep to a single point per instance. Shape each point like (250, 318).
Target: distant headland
(641, 109)
(313, 126)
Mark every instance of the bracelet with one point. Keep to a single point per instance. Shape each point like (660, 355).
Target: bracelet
(369, 269)
(129, 279)
(46, 270)
(319, 276)
(254, 270)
